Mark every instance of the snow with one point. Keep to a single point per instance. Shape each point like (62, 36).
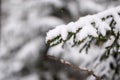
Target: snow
(117, 20)
(59, 30)
(101, 25)
(87, 30)
(85, 24)
(71, 27)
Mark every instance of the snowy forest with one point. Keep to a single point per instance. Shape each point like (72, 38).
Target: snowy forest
(60, 40)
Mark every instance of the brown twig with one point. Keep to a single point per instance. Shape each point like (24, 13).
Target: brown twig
(73, 66)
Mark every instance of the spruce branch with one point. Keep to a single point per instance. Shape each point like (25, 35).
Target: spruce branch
(105, 28)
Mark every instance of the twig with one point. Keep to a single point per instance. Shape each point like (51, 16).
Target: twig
(73, 66)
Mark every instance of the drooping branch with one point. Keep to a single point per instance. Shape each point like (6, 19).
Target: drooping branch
(76, 68)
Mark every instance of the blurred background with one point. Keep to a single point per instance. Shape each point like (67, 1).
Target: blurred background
(23, 50)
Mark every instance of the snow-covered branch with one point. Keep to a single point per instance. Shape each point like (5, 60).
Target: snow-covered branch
(91, 25)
